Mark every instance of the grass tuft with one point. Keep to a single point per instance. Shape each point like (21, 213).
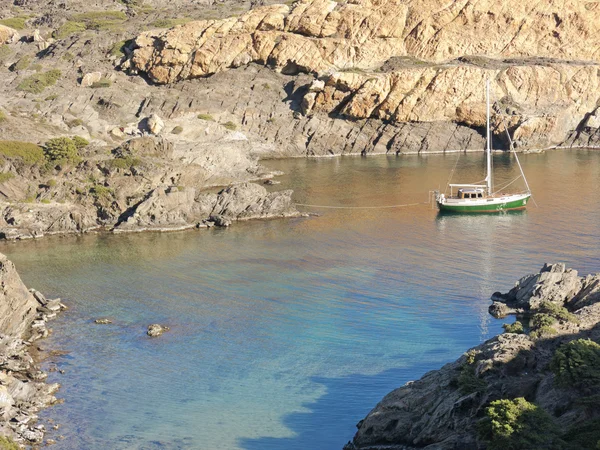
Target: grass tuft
(26, 151)
(36, 83)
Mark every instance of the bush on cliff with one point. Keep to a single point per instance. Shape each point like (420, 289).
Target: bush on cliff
(64, 149)
(468, 382)
(577, 363)
(584, 437)
(516, 327)
(518, 425)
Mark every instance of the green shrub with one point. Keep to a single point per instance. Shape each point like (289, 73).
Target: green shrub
(230, 125)
(51, 97)
(556, 311)
(45, 201)
(518, 425)
(577, 363)
(51, 183)
(80, 142)
(101, 192)
(516, 327)
(18, 23)
(169, 23)
(26, 151)
(544, 331)
(21, 64)
(207, 117)
(117, 49)
(75, 123)
(61, 149)
(5, 176)
(583, 437)
(542, 320)
(2, 116)
(7, 443)
(124, 162)
(177, 130)
(67, 29)
(468, 382)
(36, 83)
(101, 83)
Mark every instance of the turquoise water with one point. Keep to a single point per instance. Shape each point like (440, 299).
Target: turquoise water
(285, 333)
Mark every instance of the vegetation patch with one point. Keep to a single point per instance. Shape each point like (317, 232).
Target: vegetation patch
(518, 425)
(64, 149)
(170, 22)
(126, 162)
(577, 363)
(36, 83)
(177, 130)
(74, 123)
(117, 49)
(92, 20)
(21, 64)
(2, 116)
(5, 52)
(25, 151)
(100, 192)
(584, 437)
(558, 312)
(18, 23)
(468, 382)
(5, 176)
(207, 117)
(230, 126)
(516, 327)
(101, 83)
(541, 325)
(67, 29)
(8, 444)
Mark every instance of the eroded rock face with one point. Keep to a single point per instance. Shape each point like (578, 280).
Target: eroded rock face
(407, 61)
(321, 35)
(438, 412)
(17, 304)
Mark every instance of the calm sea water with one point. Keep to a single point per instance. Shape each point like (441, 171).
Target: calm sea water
(285, 333)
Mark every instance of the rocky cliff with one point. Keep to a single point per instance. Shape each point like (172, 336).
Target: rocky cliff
(546, 366)
(406, 62)
(23, 392)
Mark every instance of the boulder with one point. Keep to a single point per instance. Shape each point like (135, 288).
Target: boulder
(8, 35)
(155, 124)
(90, 78)
(155, 330)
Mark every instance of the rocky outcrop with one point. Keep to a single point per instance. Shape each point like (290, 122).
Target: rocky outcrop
(407, 62)
(17, 304)
(23, 318)
(444, 408)
(172, 208)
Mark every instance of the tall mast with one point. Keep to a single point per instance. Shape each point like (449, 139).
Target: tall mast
(488, 177)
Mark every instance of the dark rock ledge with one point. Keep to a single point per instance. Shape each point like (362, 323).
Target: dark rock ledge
(23, 391)
(545, 369)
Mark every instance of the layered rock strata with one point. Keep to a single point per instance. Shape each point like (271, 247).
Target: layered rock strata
(443, 411)
(398, 62)
(23, 392)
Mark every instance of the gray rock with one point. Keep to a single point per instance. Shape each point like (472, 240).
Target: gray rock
(155, 330)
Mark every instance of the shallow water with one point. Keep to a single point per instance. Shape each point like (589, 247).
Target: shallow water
(285, 333)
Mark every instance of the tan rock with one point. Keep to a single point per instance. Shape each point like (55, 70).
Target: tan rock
(91, 78)
(155, 124)
(8, 35)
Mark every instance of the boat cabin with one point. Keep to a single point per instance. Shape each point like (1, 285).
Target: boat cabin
(471, 193)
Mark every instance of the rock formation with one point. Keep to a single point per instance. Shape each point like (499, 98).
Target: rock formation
(398, 62)
(23, 318)
(446, 407)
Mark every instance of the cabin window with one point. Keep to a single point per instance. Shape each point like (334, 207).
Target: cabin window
(480, 195)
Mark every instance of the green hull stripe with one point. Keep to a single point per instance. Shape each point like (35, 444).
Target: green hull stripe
(515, 204)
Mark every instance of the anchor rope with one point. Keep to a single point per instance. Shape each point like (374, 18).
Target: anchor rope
(362, 207)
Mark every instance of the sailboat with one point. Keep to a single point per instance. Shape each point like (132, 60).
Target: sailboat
(481, 198)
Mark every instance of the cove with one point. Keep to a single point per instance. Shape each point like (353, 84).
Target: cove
(285, 333)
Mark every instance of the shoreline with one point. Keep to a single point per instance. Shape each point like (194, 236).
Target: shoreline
(24, 390)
